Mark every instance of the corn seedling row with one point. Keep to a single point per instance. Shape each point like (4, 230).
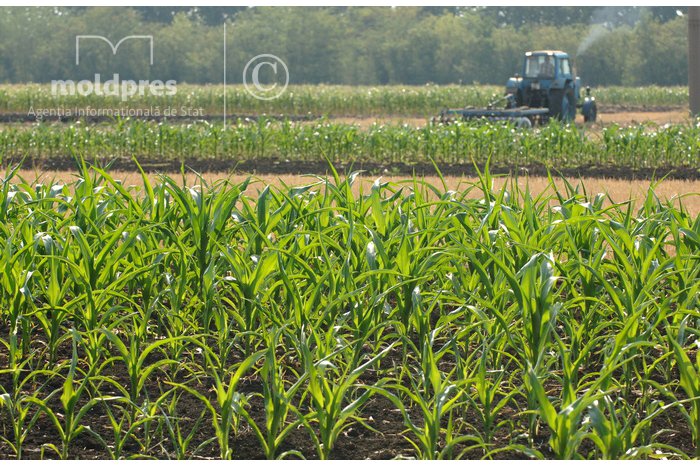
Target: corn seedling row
(213, 321)
(558, 146)
(393, 100)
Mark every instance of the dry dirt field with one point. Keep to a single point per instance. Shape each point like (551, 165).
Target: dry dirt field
(688, 192)
(623, 118)
(633, 118)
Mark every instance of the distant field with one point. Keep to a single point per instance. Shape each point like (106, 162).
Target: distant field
(395, 100)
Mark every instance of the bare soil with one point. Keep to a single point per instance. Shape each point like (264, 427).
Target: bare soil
(388, 440)
(628, 118)
(274, 166)
(622, 115)
(673, 190)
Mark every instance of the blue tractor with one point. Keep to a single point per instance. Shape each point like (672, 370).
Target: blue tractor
(547, 88)
(548, 81)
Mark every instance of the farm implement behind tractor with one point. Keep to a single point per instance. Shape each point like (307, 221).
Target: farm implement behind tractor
(547, 88)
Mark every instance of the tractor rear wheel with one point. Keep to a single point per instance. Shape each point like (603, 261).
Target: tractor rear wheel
(590, 113)
(562, 104)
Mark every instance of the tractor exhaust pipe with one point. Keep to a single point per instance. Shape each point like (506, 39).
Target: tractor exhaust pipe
(694, 59)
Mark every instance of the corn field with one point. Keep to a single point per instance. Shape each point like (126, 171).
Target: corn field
(249, 321)
(555, 145)
(408, 101)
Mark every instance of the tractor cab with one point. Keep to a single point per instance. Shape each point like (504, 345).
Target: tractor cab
(546, 65)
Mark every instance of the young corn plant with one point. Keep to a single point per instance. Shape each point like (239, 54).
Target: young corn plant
(436, 394)
(51, 277)
(15, 282)
(205, 215)
(68, 421)
(124, 426)
(690, 384)
(533, 291)
(226, 410)
(20, 418)
(335, 399)
(484, 387)
(134, 359)
(617, 433)
(278, 401)
(564, 424)
(180, 437)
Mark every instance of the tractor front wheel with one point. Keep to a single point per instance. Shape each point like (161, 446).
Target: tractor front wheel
(562, 105)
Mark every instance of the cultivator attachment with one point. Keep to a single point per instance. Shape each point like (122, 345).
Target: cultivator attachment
(522, 117)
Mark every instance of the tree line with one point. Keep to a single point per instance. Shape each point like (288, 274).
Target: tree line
(345, 45)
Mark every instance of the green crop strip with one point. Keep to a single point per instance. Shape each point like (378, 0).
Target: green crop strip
(554, 145)
(248, 321)
(406, 101)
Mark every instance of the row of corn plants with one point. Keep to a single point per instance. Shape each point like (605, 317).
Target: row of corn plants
(416, 101)
(555, 145)
(326, 321)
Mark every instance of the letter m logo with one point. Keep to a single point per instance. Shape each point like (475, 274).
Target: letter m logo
(114, 47)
